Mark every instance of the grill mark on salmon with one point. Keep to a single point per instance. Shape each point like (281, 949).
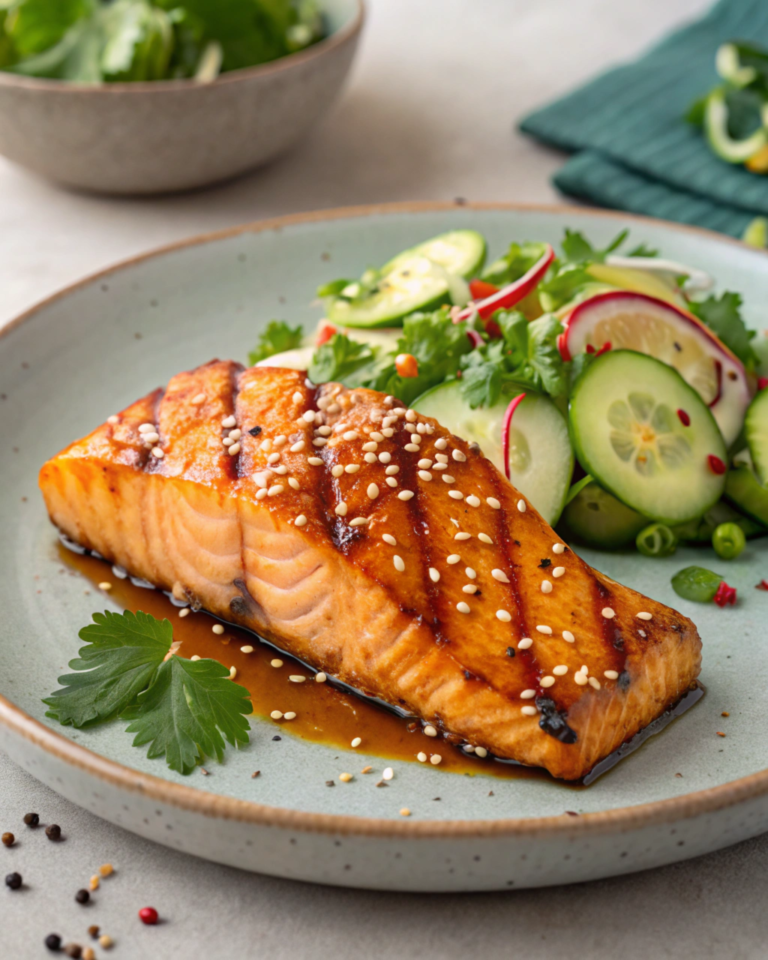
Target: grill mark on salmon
(198, 523)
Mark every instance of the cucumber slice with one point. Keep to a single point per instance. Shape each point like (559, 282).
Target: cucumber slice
(422, 278)
(723, 144)
(626, 413)
(746, 493)
(701, 529)
(598, 519)
(540, 458)
(756, 431)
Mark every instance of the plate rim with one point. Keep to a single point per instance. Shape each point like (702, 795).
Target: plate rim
(195, 800)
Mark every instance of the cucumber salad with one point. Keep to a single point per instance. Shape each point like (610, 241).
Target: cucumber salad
(611, 386)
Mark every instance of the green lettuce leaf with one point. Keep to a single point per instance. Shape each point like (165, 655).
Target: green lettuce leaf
(138, 41)
(343, 361)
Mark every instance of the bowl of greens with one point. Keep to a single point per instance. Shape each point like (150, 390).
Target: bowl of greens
(151, 96)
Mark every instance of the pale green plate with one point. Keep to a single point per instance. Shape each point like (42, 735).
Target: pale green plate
(78, 357)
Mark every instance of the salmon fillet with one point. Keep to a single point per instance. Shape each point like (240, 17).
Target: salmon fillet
(374, 545)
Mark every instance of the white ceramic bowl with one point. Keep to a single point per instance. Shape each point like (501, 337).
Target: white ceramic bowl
(141, 138)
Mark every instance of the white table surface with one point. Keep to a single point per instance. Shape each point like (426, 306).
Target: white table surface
(428, 114)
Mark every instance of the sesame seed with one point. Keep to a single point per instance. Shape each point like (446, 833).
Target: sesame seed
(558, 571)
(481, 752)
(521, 506)
(462, 535)
(275, 489)
(319, 442)
(276, 663)
(447, 478)
(411, 447)
(399, 563)
(456, 494)
(370, 458)
(308, 416)
(337, 470)
(372, 491)
(580, 678)
(375, 435)
(291, 715)
(470, 573)
(435, 759)
(458, 456)
(434, 575)
(150, 438)
(410, 416)
(298, 446)
(558, 548)
(560, 670)
(544, 629)
(314, 461)
(194, 657)
(232, 451)
(228, 422)
(594, 683)
(157, 452)
(424, 464)
(441, 443)
(341, 509)
(528, 694)
(351, 435)
(265, 445)
(281, 470)
(546, 682)
(421, 757)
(261, 494)
(352, 468)
(499, 575)
(293, 483)
(415, 438)
(297, 678)
(345, 777)
(430, 731)
(484, 538)
(391, 471)
(391, 482)
(358, 522)
(609, 613)
(453, 558)
(356, 742)
(525, 643)
(198, 399)
(276, 715)
(473, 501)
(217, 629)
(462, 607)
(370, 447)
(611, 674)
(568, 636)
(321, 432)
(297, 397)
(320, 677)
(184, 612)
(388, 421)
(387, 773)
(308, 383)
(529, 711)
(301, 520)
(388, 538)
(546, 586)
(388, 432)
(504, 615)
(644, 616)
(113, 419)
(280, 440)
(405, 812)
(469, 588)
(105, 585)
(322, 403)
(273, 458)
(439, 466)
(405, 495)
(385, 457)
(425, 475)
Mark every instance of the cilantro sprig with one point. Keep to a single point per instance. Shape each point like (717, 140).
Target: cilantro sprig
(128, 669)
(277, 337)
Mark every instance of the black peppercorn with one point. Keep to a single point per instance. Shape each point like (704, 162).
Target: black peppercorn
(53, 941)
(94, 931)
(13, 880)
(53, 832)
(8, 839)
(31, 819)
(82, 896)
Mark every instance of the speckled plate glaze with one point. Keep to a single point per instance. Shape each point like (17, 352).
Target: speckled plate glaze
(90, 350)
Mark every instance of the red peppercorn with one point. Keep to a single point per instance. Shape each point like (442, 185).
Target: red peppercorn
(684, 418)
(763, 585)
(604, 349)
(716, 465)
(725, 595)
(762, 383)
(148, 915)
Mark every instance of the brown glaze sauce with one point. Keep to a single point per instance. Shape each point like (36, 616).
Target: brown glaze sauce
(325, 713)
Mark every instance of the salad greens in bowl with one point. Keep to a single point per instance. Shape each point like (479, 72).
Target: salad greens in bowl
(149, 96)
(613, 387)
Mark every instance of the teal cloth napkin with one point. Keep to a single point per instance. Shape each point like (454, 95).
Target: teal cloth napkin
(634, 151)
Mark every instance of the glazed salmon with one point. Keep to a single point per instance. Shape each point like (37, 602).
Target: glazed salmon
(371, 543)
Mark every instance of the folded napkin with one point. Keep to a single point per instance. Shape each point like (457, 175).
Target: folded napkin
(634, 150)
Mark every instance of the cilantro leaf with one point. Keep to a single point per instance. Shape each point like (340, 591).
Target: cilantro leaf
(482, 375)
(577, 249)
(564, 284)
(544, 356)
(342, 360)
(123, 653)
(188, 711)
(516, 262)
(641, 250)
(277, 338)
(722, 316)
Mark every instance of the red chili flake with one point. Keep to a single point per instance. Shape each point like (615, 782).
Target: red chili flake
(716, 465)
(148, 915)
(762, 383)
(684, 418)
(590, 348)
(725, 595)
(324, 333)
(720, 733)
(763, 585)
(604, 349)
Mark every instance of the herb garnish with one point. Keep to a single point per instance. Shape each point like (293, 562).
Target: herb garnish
(183, 708)
(276, 338)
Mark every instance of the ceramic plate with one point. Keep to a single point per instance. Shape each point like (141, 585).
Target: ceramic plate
(89, 351)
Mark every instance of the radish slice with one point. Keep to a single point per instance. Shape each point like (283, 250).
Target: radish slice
(634, 321)
(513, 292)
(505, 425)
(474, 336)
